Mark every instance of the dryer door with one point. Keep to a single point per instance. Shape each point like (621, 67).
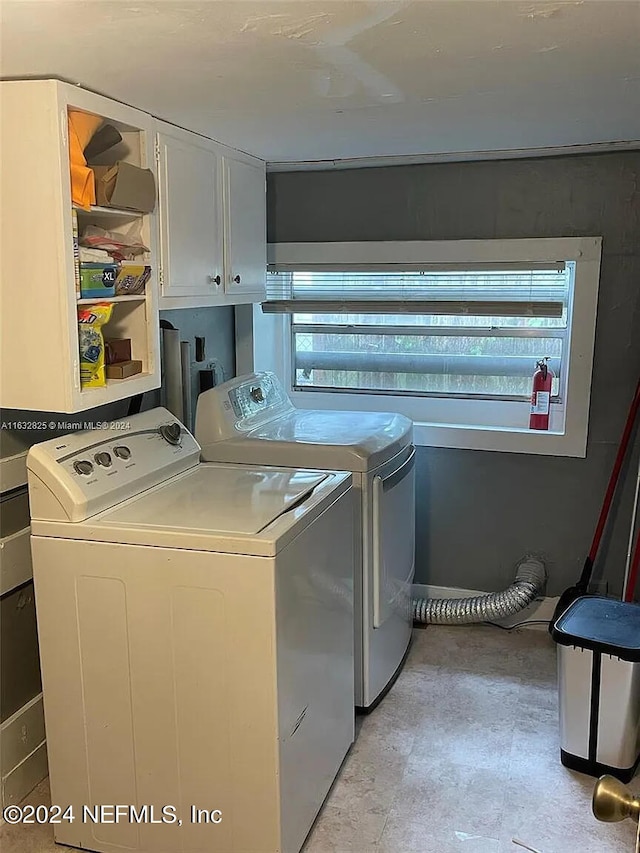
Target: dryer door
(393, 540)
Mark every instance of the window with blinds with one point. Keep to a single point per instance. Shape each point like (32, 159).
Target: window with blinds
(448, 331)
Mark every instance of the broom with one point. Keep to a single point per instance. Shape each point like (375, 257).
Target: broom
(580, 588)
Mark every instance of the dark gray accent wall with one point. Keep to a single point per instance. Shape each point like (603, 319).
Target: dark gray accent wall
(216, 326)
(478, 512)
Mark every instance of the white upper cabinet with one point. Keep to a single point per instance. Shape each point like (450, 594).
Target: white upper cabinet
(213, 240)
(194, 227)
(40, 302)
(246, 227)
(191, 228)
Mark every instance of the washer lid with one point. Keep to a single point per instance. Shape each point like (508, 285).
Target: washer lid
(230, 509)
(348, 441)
(218, 500)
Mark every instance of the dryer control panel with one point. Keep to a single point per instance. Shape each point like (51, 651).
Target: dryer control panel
(239, 406)
(78, 475)
(258, 394)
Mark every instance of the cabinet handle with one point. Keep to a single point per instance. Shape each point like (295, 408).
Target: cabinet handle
(214, 279)
(236, 278)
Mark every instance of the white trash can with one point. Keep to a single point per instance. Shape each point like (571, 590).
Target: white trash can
(599, 686)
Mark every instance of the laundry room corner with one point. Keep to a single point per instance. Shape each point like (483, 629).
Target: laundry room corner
(206, 339)
(320, 426)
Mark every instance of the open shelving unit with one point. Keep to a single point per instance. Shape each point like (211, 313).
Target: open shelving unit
(40, 359)
(130, 314)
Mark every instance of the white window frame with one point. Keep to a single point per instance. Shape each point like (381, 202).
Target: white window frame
(478, 424)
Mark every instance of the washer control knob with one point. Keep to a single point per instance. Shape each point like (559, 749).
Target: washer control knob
(171, 432)
(83, 466)
(122, 451)
(257, 394)
(103, 458)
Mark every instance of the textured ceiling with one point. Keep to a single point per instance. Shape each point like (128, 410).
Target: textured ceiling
(292, 81)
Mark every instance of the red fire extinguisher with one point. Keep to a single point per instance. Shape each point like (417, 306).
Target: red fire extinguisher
(541, 395)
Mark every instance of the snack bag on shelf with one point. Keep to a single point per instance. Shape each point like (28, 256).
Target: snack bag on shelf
(91, 319)
(132, 278)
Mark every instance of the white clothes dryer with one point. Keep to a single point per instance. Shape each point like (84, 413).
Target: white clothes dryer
(251, 420)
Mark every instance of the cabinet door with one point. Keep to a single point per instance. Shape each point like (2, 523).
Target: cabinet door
(191, 236)
(246, 231)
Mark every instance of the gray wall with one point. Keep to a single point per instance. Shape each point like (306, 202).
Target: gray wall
(216, 326)
(478, 511)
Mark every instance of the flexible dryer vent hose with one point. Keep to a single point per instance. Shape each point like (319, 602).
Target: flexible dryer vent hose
(531, 576)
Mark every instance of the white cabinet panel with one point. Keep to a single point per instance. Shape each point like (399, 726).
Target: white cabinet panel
(15, 560)
(246, 236)
(191, 236)
(212, 222)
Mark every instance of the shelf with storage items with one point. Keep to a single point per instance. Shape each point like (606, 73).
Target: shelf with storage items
(95, 300)
(212, 212)
(129, 320)
(40, 340)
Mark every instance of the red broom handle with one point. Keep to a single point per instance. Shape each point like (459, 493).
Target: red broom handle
(615, 474)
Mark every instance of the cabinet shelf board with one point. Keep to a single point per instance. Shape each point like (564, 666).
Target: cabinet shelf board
(139, 383)
(115, 212)
(114, 382)
(139, 297)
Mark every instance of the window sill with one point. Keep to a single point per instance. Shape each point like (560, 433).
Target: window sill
(501, 439)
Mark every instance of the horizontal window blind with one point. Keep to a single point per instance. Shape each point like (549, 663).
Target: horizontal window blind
(513, 291)
(454, 331)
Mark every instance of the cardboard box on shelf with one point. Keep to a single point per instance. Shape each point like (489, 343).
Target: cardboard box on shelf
(126, 186)
(97, 280)
(123, 369)
(117, 349)
(132, 278)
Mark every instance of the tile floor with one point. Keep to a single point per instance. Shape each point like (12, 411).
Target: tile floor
(460, 757)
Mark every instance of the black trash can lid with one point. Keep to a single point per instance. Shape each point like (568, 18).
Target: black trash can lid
(602, 625)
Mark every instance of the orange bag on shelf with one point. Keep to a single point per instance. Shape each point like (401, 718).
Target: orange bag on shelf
(82, 126)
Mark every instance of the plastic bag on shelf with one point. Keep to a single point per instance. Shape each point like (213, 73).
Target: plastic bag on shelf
(122, 247)
(91, 319)
(94, 256)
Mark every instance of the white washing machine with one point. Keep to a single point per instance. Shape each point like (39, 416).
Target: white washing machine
(196, 640)
(252, 420)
